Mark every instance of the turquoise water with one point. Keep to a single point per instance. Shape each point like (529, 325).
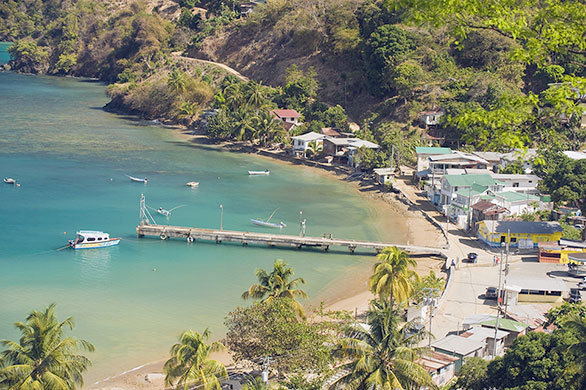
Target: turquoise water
(132, 301)
(4, 56)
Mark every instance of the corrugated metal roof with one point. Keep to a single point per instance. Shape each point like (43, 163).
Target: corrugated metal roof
(469, 180)
(523, 227)
(432, 150)
(511, 196)
(506, 324)
(460, 345)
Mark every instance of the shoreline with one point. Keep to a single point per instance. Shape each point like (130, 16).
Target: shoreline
(347, 293)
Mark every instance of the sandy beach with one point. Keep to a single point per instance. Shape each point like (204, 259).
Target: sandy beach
(350, 292)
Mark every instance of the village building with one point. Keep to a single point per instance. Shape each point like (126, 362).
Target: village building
(559, 252)
(460, 348)
(290, 118)
(440, 366)
(486, 210)
(459, 190)
(384, 175)
(487, 337)
(525, 157)
(517, 203)
(343, 150)
(518, 182)
(519, 234)
(431, 117)
(331, 132)
(494, 159)
(514, 328)
(301, 143)
(424, 152)
(531, 289)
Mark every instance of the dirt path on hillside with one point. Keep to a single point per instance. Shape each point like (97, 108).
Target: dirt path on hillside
(177, 55)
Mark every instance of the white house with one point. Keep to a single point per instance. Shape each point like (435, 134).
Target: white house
(518, 183)
(384, 175)
(424, 152)
(290, 118)
(439, 164)
(525, 156)
(431, 118)
(301, 142)
(517, 203)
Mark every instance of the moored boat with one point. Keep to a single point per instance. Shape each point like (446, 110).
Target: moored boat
(89, 239)
(136, 179)
(260, 222)
(9, 180)
(255, 173)
(192, 184)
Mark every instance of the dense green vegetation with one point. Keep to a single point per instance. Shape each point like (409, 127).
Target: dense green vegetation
(537, 360)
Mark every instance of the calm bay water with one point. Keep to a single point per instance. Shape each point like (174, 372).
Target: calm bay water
(4, 56)
(133, 300)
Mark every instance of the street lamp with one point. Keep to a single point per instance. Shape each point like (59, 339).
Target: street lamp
(221, 217)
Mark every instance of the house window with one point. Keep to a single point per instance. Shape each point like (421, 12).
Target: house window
(455, 189)
(515, 184)
(514, 239)
(503, 238)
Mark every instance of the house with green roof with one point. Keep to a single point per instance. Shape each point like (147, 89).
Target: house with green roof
(459, 192)
(517, 202)
(424, 152)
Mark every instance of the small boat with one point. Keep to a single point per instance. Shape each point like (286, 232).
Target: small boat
(192, 184)
(255, 173)
(260, 222)
(9, 180)
(267, 223)
(165, 212)
(89, 239)
(136, 179)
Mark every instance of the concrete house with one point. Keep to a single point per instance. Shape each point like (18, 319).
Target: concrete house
(431, 117)
(440, 366)
(518, 183)
(384, 175)
(290, 118)
(301, 142)
(486, 336)
(460, 348)
(531, 289)
(424, 152)
(344, 149)
(466, 186)
(517, 203)
(523, 234)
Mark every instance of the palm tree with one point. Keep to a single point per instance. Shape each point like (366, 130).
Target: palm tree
(43, 358)
(577, 325)
(255, 93)
(269, 129)
(381, 356)
(188, 110)
(392, 277)
(234, 97)
(177, 81)
(314, 148)
(190, 363)
(277, 285)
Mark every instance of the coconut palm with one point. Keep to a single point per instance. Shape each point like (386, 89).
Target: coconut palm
(269, 129)
(393, 275)
(234, 96)
(255, 383)
(43, 358)
(314, 148)
(188, 110)
(255, 93)
(177, 81)
(190, 363)
(277, 285)
(381, 356)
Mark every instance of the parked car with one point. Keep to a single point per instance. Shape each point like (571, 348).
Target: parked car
(582, 285)
(575, 296)
(491, 293)
(472, 257)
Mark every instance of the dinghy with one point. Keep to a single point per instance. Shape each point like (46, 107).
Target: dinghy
(192, 184)
(267, 223)
(165, 212)
(136, 179)
(256, 173)
(9, 180)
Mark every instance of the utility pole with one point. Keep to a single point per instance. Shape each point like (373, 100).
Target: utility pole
(498, 301)
(221, 217)
(506, 296)
(265, 369)
(429, 301)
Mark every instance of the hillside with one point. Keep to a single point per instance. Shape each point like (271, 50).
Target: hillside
(502, 81)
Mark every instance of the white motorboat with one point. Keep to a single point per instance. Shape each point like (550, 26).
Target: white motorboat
(256, 173)
(136, 179)
(192, 184)
(9, 180)
(90, 239)
(260, 222)
(166, 212)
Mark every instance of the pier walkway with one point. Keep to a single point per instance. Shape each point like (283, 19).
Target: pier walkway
(192, 234)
